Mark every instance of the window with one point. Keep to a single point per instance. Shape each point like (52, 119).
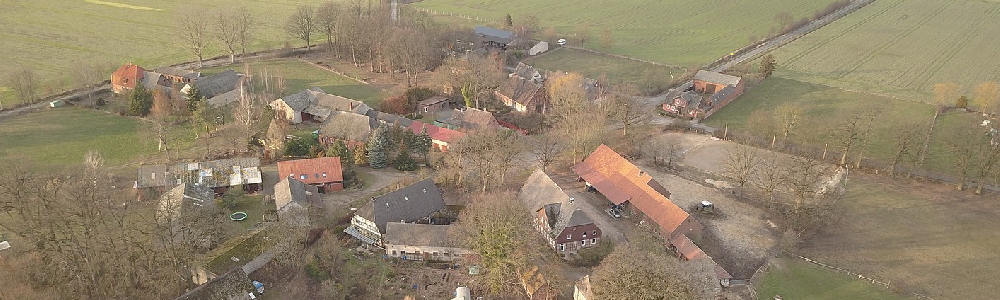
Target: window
(393, 252)
(324, 174)
(435, 254)
(562, 247)
(595, 232)
(593, 241)
(317, 175)
(583, 243)
(569, 236)
(303, 176)
(584, 235)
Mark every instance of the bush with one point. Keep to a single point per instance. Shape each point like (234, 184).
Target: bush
(316, 272)
(300, 146)
(591, 257)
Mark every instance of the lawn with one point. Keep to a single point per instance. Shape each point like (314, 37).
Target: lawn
(51, 36)
(64, 135)
(796, 279)
(901, 47)
(676, 32)
(245, 250)
(921, 237)
(824, 108)
(594, 65)
(300, 75)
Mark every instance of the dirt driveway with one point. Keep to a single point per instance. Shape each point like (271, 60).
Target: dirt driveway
(376, 180)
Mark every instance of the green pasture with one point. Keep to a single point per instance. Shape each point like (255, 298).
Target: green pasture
(51, 37)
(675, 32)
(824, 108)
(594, 65)
(920, 237)
(64, 135)
(901, 48)
(300, 75)
(792, 278)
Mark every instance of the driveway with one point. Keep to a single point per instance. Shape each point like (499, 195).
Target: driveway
(593, 206)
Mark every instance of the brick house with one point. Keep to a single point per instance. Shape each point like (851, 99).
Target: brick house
(325, 173)
(722, 88)
(422, 242)
(351, 128)
(411, 204)
(440, 137)
(523, 90)
(623, 184)
(314, 105)
(126, 77)
(567, 228)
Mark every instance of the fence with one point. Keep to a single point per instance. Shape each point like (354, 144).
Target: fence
(873, 281)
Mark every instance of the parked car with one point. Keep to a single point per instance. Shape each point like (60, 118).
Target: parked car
(561, 42)
(614, 213)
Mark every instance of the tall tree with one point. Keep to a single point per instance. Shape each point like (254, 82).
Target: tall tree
(986, 96)
(787, 117)
(846, 136)
(945, 94)
(194, 31)
(741, 163)
(227, 31)
(508, 22)
(486, 157)
(624, 109)
(631, 272)
(244, 28)
(140, 101)
(327, 19)
(494, 225)
(871, 113)
(906, 145)
(379, 146)
(546, 147)
(767, 66)
(302, 23)
(25, 83)
(567, 94)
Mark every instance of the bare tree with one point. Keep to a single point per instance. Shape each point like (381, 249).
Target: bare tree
(664, 152)
(624, 109)
(302, 23)
(965, 144)
(945, 94)
(487, 156)
(846, 136)
(248, 112)
(244, 24)
(327, 19)
(25, 83)
(787, 117)
(631, 272)
(546, 147)
(194, 31)
(906, 146)
(986, 96)
(770, 173)
(494, 225)
(227, 30)
(741, 163)
(871, 113)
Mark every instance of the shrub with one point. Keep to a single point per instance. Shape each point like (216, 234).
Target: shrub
(590, 257)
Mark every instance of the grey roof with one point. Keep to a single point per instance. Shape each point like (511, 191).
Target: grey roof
(338, 103)
(320, 104)
(153, 80)
(218, 173)
(299, 101)
(224, 98)
(233, 285)
(471, 119)
(528, 72)
(178, 72)
(722, 94)
(378, 118)
(217, 84)
(151, 176)
(494, 34)
(409, 234)
(407, 204)
(716, 77)
(522, 90)
(347, 126)
(184, 199)
(433, 100)
(292, 199)
(690, 98)
(540, 192)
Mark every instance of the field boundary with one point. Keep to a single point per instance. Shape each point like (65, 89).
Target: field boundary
(622, 56)
(862, 277)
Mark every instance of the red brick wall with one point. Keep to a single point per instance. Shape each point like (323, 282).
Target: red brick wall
(576, 235)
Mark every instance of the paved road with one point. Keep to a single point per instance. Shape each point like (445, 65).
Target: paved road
(45, 102)
(791, 36)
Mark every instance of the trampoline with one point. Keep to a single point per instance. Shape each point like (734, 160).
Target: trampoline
(238, 216)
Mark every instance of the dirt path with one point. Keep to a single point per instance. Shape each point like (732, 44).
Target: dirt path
(381, 179)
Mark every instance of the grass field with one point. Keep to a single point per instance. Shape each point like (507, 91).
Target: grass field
(926, 238)
(594, 65)
(51, 36)
(824, 108)
(300, 75)
(901, 48)
(64, 135)
(676, 32)
(796, 279)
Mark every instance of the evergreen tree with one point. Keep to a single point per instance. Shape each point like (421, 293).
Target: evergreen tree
(467, 95)
(963, 102)
(404, 162)
(508, 21)
(338, 149)
(378, 148)
(361, 155)
(140, 101)
(194, 97)
(421, 143)
(767, 66)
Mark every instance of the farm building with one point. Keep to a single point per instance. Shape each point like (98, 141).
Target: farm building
(469, 119)
(523, 90)
(492, 38)
(539, 48)
(314, 105)
(622, 182)
(178, 75)
(292, 199)
(422, 242)
(680, 102)
(324, 173)
(433, 104)
(233, 285)
(440, 137)
(377, 118)
(413, 203)
(722, 88)
(215, 85)
(351, 128)
(126, 77)
(557, 217)
(220, 175)
(582, 289)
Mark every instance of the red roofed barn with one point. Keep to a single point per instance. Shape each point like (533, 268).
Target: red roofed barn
(126, 77)
(441, 137)
(325, 172)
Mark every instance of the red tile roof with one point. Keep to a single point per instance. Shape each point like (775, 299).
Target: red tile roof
(127, 76)
(317, 170)
(437, 133)
(687, 248)
(620, 181)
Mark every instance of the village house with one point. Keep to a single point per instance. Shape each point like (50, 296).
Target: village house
(351, 128)
(219, 89)
(126, 77)
(219, 175)
(377, 118)
(678, 101)
(324, 173)
(722, 88)
(314, 105)
(523, 90)
(292, 199)
(178, 75)
(422, 242)
(492, 38)
(622, 182)
(233, 285)
(441, 138)
(433, 104)
(411, 204)
(469, 119)
(557, 216)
